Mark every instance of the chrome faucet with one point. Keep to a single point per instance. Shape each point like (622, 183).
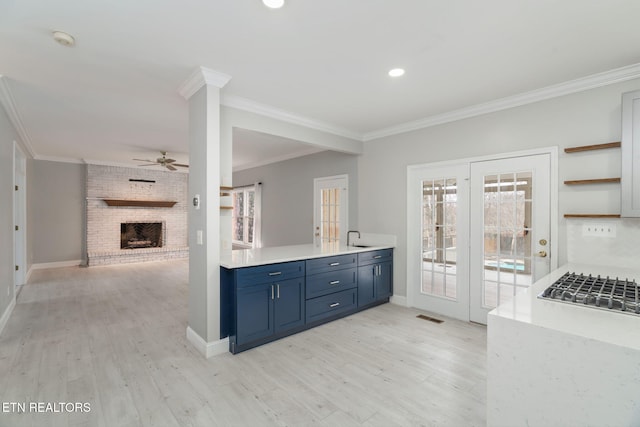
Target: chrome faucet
(349, 234)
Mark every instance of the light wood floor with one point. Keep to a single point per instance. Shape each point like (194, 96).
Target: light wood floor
(115, 337)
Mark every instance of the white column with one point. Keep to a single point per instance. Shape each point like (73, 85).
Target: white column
(202, 90)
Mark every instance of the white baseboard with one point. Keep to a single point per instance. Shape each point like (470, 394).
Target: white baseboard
(43, 265)
(7, 313)
(208, 349)
(398, 300)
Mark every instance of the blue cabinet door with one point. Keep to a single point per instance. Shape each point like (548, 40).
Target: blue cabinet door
(289, 304)
(254, 313)
(383, 280)
(366, 281)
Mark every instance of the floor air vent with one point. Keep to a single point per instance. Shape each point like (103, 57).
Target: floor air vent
(430, 319)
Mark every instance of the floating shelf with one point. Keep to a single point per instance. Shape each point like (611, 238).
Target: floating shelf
(592, 181)
(592, 147)
(140, 203)
(592, 215)
(225, 192)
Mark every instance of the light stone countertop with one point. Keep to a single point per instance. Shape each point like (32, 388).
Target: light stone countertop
(600, 324)
(275, 254)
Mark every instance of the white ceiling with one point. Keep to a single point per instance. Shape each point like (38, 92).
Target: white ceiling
(114, 96)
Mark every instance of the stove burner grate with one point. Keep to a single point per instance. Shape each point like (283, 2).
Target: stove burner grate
(595, 291)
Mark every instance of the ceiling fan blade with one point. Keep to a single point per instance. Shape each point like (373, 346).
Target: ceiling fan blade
(143, 160)
(180, 164)
(150, 164)
(169, 160)
(171, 168)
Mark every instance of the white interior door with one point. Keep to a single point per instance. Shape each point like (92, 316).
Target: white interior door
(510, 241)
(438, 240)
(330, 210)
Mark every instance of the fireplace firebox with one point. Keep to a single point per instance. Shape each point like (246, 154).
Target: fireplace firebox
(136, 235)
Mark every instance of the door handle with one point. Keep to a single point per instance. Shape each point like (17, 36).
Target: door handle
(335, 304)
(275, 273)
(278, 290)
(335, 282)
(542, 254)
(272, 292)
(333, 264)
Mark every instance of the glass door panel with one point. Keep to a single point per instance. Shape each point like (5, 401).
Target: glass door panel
(512, 196)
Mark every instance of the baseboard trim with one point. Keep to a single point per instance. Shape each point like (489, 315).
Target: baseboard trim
(398, 300)
(207, 349)
(57, 264)
(7, 313)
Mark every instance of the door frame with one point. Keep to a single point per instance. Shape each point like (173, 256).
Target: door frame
(414, 205)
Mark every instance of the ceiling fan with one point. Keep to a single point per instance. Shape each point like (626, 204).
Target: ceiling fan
(163, 161)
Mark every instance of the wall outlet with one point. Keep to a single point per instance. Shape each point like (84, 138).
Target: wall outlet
(199, 237)
(600, 229)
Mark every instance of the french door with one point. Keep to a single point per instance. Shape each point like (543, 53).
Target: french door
(330, 209)
(439, 240)
(478, 233)
(510, 229)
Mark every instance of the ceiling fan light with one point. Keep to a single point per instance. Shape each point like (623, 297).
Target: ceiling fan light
(273, 4)
(396, 72)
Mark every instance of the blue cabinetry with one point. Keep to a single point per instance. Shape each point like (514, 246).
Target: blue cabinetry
(267, 302)
(375, 277)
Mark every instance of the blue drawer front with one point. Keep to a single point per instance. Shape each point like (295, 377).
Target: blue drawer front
(269, 273)
(332, 304)
(333, 281)
(331, 263)
(365, 258)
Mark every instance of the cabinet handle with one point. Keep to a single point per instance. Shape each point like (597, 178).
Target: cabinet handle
(335, 282)
(275, 273)
(333, 264)
(335, 304)
(377, 257)
(272, 292)
(278, 290)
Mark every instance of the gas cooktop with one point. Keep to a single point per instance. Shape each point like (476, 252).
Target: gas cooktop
(595, 291)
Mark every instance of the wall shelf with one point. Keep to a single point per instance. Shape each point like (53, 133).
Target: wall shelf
(592, 181)
(140, 203)
(592, 147)
(225, 197)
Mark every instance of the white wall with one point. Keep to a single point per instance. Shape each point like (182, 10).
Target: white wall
(287, 194)
(55, 211)
(584, 118)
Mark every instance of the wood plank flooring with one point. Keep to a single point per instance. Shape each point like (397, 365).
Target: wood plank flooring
(114, 337)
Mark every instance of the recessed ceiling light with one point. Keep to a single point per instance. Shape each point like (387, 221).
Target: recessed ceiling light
(273, 4)
(63, 38)
(396, 72)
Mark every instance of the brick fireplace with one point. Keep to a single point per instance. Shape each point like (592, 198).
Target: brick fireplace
(135, 215)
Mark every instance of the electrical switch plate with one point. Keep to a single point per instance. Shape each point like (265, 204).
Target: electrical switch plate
(599, 229)
(199, 237)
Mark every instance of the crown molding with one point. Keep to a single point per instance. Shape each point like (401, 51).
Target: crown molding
(200, 77)
(593, 81)
(9, 104)
(285, 116)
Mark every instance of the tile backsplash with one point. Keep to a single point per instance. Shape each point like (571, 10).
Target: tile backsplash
(623, 250)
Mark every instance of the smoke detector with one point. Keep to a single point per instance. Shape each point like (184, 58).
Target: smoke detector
(65, 39)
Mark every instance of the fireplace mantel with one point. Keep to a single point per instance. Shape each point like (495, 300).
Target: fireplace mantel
(140, 203)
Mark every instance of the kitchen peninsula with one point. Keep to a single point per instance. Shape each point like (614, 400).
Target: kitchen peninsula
(269, 293)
